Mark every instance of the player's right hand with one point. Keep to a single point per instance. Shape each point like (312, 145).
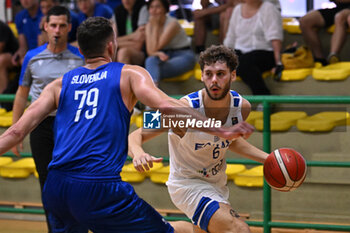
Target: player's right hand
(17, 149)
(242, 129)
(144, 162)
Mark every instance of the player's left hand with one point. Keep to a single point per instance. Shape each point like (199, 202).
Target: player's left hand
(144, 162)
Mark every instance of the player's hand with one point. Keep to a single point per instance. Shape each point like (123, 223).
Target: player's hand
(242, 129)
(17, 149)
(144, 162)
(162, 56)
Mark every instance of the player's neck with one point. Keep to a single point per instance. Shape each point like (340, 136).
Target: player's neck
(94, 62)
(58, 48)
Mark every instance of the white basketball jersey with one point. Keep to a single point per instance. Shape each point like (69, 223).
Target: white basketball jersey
(200, 155)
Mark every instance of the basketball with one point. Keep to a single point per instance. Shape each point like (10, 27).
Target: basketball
(285, 169)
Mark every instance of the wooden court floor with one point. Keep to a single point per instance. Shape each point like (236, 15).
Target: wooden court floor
(22, 226)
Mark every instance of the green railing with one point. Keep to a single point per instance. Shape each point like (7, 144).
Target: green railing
(267, 223)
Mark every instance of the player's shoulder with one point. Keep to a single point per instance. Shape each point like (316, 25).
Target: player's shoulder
(193, 99)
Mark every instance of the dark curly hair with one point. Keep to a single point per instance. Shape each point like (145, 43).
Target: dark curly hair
(93, 35)
(218, 53)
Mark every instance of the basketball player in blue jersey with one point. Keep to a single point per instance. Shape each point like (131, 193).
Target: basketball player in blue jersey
(197, 179)
(83, 189)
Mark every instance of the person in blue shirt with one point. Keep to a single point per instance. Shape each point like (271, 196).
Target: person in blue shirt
(94, 102)
(27, 23)
(89, 8)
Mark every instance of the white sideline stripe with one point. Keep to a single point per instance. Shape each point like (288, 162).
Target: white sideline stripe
(289, 182)
(200, 216)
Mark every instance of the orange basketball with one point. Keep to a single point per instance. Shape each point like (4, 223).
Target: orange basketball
(285, 169)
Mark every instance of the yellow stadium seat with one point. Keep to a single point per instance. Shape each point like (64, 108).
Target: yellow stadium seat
(130, 174)
(250, 178)
(14, 29)
(5, 161)
(2, 111)
(233, 169)
(331, 29)
(197, 72)
(5, 118)
(266, 74)
(139, 121)
(180, 78)
(215, 32)
(333, 72)
(291, 25)
(295, 74)
(281, 121)
(323, 121)
(156, 167)
(36, 174)
(161, 175)
(187, 26)
(19, 169)
(253, 116)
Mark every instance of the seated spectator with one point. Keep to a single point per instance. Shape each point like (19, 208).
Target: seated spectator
(167, 44)
(8, 46)
(342, 23)
(89, 8)
(226, 15)
(131, 18)
(111, 3)
(315, 20)
(206, 18)
(255, 32)
(27, 23)
(45, 6)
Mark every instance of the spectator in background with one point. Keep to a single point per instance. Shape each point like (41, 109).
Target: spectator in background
(111, 3)
(255, 32)
(89, 8)
(167, 45)
(313, 21)
(8, 46)
(40, 67)
(207, 18)
(45, 6)
(131, 18)
(342, 23)
(226, 15)
(27, 23)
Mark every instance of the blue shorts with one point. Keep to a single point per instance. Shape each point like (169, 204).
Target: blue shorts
(102, 206)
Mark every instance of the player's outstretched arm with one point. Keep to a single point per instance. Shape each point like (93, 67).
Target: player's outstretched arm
(142, 161)
(37, 111)
(244, 148)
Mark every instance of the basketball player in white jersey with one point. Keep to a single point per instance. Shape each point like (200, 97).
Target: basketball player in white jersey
(197, 180)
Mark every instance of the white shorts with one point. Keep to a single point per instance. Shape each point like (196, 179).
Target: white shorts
(188, 196)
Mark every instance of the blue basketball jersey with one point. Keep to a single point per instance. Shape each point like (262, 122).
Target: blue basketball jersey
(92, 123)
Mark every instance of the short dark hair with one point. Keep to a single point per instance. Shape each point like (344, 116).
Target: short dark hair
(58, 10)
(165, 4)
(93, 35)
(218, 53)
